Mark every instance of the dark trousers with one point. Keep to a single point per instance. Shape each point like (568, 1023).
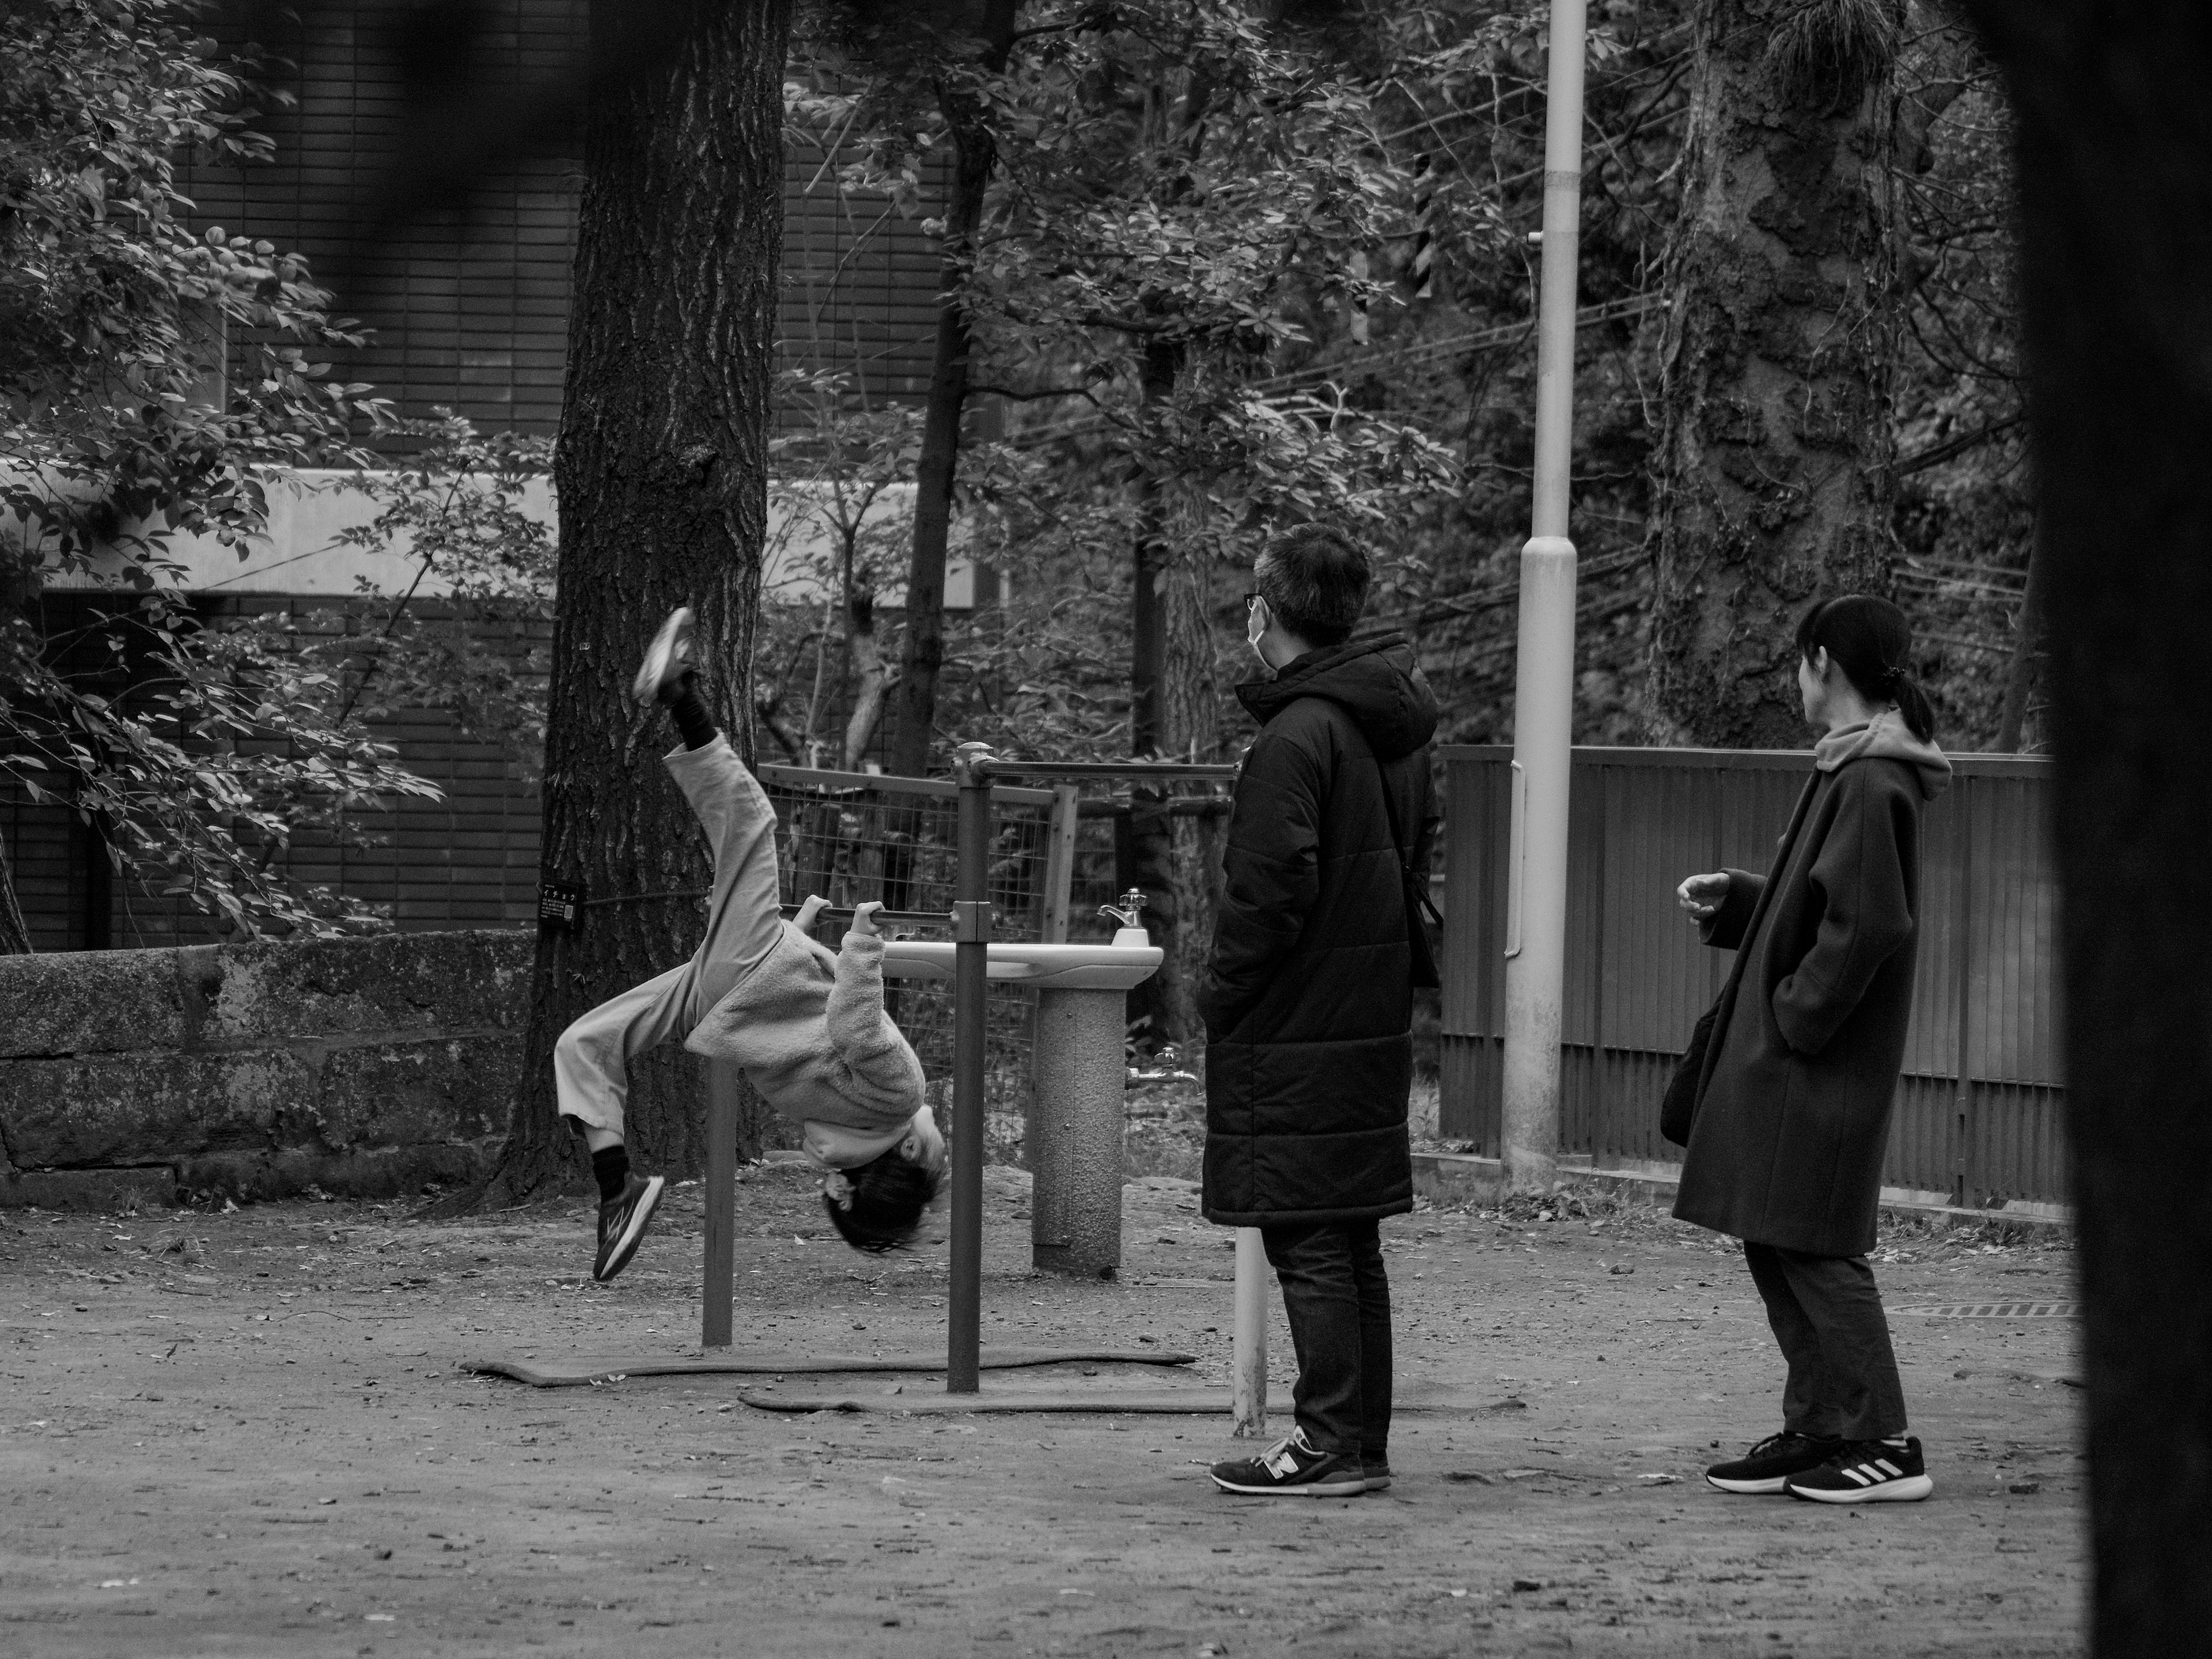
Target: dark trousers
(1338, 1301)
(1827, 1317)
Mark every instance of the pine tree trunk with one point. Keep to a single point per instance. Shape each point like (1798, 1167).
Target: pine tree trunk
(1773, 475)
(2115, 169)
(662, 470)
(1191, 725)
(975, 151)
(1165, 1002)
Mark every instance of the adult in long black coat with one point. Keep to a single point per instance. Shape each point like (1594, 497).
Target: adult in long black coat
(1794, 1098)
(1308, 1000)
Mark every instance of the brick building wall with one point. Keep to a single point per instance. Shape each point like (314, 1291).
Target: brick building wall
(469, 304)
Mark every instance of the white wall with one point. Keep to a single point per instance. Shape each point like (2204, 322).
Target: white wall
(299, 555)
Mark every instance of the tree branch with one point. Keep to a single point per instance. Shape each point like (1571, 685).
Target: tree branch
(1020, 396)
(1951, 448)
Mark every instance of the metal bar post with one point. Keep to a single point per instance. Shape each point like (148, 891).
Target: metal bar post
(971, 912)
(1543, 684)
(1248, 1340)
(1060, 863)
(718, 1287)
(1171, 771)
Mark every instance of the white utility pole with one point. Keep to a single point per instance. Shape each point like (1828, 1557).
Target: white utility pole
(1544, 672)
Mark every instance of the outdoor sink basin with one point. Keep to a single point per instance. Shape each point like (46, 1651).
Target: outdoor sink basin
(1046, 967)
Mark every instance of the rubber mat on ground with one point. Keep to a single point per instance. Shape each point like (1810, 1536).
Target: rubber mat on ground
(579, 1370)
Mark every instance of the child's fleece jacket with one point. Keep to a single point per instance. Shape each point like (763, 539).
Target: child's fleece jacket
(810, 1031)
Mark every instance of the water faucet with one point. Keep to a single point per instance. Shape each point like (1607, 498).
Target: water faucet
(1130, 915)
(1131, 912)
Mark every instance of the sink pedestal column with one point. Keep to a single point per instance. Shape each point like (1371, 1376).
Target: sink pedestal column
(1074, 1136)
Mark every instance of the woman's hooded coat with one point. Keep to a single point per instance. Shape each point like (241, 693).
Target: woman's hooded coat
(1794, 1106)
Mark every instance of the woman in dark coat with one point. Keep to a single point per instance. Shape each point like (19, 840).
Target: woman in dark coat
(1793, 1103)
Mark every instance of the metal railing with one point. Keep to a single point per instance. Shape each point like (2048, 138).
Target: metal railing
(1980, 1106)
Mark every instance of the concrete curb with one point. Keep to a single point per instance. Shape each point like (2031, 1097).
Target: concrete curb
(1465, 1178)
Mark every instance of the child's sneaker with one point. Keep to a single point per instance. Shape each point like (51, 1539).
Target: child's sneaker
(1375, 1471)
(1868, 1472)
(667, 659)
(1291, 1468)
(621, 1225)
(1767, 1467)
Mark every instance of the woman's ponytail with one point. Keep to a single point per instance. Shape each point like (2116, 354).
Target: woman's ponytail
(1871, 641)
(1912, 703)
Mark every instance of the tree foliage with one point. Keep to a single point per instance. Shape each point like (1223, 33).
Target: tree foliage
(1107, 233)
(1180, 188)
(152, 374)
(458, 507)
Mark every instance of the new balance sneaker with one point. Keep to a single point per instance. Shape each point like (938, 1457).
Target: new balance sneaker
(1291, 1468)
(668, 658)
(1765, 1469)
(623, 1223)
(1868, 1472)
(1375, 1471)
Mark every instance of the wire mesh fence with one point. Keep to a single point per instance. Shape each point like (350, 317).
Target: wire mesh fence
(853, 837)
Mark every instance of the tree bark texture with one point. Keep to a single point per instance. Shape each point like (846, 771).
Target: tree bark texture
(661, 469)
(2022, 672)
(1191, 710)
(1173, 716)
(2115, 168)
(974, 152)
(865, 652)
(1772, 475)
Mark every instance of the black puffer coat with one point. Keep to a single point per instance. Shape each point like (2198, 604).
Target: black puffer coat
(1308, 1000)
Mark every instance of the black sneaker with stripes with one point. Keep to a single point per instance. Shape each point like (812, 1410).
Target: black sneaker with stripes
(1868, 1472)
(1764, 1469)
(623, 1223)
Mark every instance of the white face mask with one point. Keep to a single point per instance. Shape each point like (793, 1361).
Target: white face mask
(1254, 630)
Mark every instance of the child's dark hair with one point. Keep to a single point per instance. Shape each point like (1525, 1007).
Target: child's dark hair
(1870, 641)
(888, 1194)
(1315, 579)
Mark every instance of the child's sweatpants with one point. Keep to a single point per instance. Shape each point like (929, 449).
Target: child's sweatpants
(591, 1060)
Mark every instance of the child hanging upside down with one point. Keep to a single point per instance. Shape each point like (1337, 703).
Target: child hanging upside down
(763, 1001)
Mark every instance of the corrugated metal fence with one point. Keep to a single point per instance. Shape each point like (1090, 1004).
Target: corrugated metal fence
(1979, 1106)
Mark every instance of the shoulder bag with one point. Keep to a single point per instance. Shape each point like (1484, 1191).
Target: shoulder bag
(1679, 1109)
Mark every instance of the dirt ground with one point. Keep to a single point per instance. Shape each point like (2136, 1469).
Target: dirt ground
(250, 1433)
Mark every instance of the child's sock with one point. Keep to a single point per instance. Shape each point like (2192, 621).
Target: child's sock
(693, 722)
(611, 1165)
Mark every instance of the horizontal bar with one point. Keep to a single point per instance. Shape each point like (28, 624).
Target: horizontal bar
(1167, 771)
(897, 918)
(887, 783)
(641, 898)
(1738, 760)
(1182, 807)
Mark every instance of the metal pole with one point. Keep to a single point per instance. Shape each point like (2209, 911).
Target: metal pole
(718, 1287)
(971, 933)
(1544, 682)
(1249, 1343)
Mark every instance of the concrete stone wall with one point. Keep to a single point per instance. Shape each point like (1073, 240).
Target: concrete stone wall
(365, 1067)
